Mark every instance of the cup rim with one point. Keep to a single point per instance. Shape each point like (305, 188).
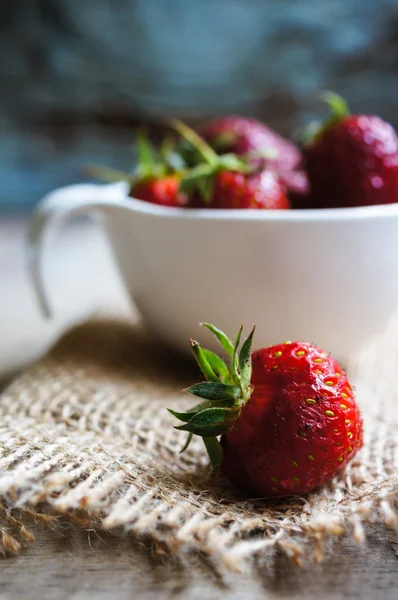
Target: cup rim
(306, 215)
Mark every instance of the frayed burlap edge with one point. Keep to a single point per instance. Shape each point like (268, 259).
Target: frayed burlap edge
(85, 434)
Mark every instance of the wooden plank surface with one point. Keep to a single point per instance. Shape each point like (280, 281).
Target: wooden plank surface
(69, 563)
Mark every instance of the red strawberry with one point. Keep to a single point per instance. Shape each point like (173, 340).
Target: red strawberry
(286, 415)
(249, 137)
(157, 176)
(229, 181)
(164, 191)
(237, 190)
(242, 135)
(296, 183)
(353, 160)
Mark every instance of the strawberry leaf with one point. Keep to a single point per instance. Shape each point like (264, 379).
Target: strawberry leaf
(206, 187)
(207, 153)
(169, 156)
(223, 140)
(222, 338)
(210, 422)
(187, 186)
(315, 129)
(231, 162)
(245, 363)
(266, 153)
(108, 174)
(338, 106)
(235, 356)
(224, 397)
(145, 154)
(191, 178)
(167, 146)
(202, 361)
(187, 416)
(214, 391)
(310, 133)
(189, 154)
(188, 441)
(214, 450)
(217, 364)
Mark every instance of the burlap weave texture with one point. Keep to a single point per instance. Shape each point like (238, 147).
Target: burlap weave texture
(85, 431)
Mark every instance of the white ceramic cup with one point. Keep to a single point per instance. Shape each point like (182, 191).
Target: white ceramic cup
(325, 276)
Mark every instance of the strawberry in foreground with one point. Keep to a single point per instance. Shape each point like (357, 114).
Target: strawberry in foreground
(228, 181)
(286, 415)
(352, 160)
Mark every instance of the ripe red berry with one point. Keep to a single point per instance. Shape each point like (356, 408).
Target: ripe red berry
(164, 191)
(287, 416)
(300, 427)
(243, 135)
(353, 160)
(264, 147)
(229, 181)
(238, 190)
(156, 177)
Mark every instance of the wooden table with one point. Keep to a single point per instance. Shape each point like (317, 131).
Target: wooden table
(72, 564)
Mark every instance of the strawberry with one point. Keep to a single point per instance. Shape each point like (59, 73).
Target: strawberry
(164, 191)
(157, 176)
(248, 137)
(261, 189)
(242, 135)
(229, 181)
(352, 160)
(296, 182)
(286, 415)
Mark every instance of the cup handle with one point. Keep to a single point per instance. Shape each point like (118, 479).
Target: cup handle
(51, 214)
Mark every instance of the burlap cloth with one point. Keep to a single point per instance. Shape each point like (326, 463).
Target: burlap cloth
(85, 433)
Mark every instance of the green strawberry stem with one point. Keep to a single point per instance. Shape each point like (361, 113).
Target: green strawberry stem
(207, 153)
(146, 159)
(337, 105)
(151, 163)
(338, 111)
(223, 394)
(108, 174)
(216, 162)
(166, 147)
(156, 164)
(228, 138)
(201, 177)
(266, 153)
(197, 172)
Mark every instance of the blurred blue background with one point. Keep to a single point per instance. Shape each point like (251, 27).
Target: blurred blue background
(76, 77)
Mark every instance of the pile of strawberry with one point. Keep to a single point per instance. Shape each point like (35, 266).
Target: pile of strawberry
(236, 162)
(282, 420)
